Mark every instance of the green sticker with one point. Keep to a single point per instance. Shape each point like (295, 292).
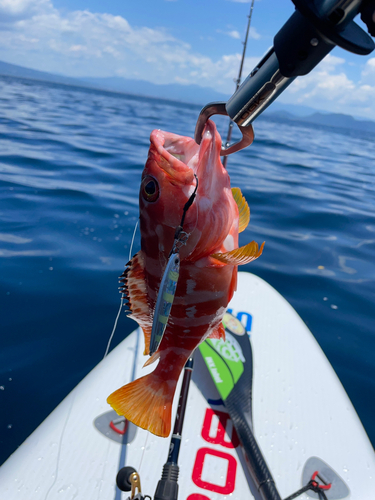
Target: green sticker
(224, 361)
(173, 276)
(168, 297)
(163, 319)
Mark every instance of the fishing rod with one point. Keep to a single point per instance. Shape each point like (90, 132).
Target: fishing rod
(238, 81)
(167, 488)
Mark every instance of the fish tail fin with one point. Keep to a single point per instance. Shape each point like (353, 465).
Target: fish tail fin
(147, 402)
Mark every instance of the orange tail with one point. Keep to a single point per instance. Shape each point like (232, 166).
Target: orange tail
(147, 402)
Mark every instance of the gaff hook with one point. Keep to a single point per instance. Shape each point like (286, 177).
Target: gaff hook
(218, 108)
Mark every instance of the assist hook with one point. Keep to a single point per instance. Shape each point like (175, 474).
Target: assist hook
(218, 108)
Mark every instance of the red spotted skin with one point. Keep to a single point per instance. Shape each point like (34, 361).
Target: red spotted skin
(205, 286)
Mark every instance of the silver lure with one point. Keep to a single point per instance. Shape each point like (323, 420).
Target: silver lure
(164, 301)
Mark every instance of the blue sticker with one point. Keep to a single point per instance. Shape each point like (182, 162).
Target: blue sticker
(248, 320)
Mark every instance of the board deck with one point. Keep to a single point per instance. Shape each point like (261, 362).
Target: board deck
(75, 454)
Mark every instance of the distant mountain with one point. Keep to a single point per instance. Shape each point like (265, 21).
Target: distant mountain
(8, 69)
(292, 109)
(336, 120)
(175, 92)
(340, 120)
(193, 94)
(279, 114)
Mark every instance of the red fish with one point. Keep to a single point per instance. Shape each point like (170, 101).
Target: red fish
(208, 269)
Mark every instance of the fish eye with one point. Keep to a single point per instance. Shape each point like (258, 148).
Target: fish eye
(150, 189)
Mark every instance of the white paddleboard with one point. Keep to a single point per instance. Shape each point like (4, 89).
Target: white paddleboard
(300, 411)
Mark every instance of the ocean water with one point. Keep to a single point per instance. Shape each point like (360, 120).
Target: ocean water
(70, 166)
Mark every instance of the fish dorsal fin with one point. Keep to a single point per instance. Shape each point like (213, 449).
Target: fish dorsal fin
(218, 333)
(242, 255)
(243, 209)
(134, 290)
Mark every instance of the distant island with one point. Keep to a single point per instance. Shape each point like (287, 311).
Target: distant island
(337, 120)
(191, 94)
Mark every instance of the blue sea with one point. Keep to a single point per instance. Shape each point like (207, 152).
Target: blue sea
(70, 167)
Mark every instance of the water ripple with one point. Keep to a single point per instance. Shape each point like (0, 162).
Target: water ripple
(70, 166)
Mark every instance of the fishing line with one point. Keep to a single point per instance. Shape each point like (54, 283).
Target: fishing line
(114, 327)
(180, 237)
(122, 299)
(143, 452)
(55, 476)
(131, 244)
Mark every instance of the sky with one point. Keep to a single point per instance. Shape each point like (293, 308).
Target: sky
(174, 41)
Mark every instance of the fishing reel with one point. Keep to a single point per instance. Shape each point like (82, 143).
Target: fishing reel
(167, 489)
(128, 479)
(314, 29)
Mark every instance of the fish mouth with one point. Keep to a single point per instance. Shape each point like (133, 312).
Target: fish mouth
(181, 157)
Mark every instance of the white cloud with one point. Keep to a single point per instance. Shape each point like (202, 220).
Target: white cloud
(329, 87)
(254, 34)
(182, 81)
(13, 10)
(234, 34)
(35, 34)
(321, 77)
(330, 62)
(369, 69)
(83, 43)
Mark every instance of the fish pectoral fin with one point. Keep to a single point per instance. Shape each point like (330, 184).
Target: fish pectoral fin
(239, 256)
(243, 209)
(218, 333)
(134, 291)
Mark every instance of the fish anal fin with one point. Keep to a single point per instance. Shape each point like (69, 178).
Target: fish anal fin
(243, 209)
(240, 256)
(154, 357)
(219, 333)
(147, 402)
(134, 290)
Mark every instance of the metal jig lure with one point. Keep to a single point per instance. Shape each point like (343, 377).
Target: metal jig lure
(169, 281)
